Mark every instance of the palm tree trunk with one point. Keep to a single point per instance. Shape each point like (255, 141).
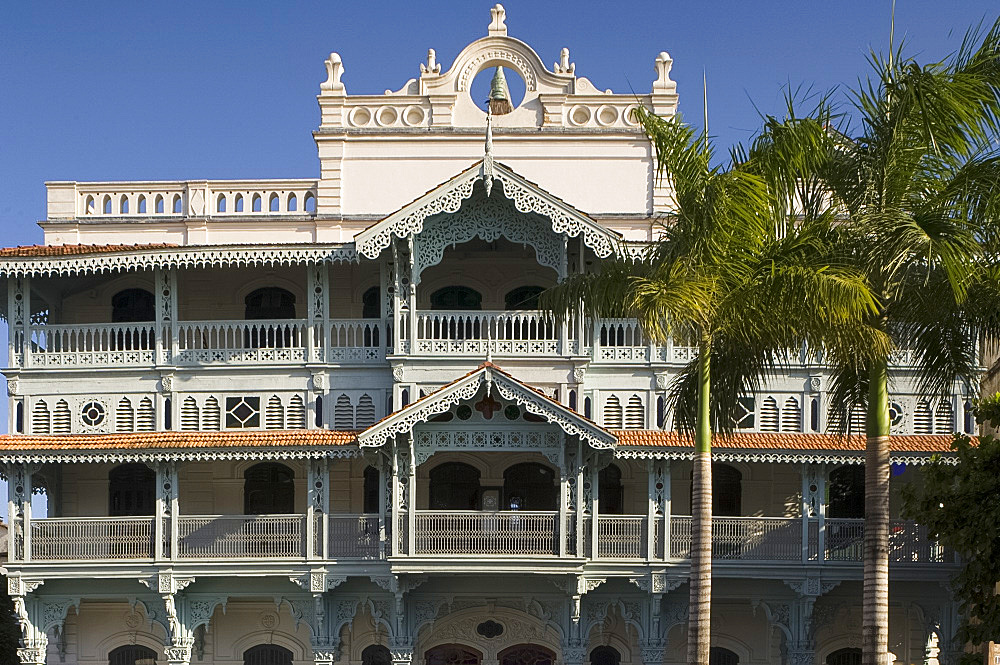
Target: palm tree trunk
(700, 601)
(875, 624)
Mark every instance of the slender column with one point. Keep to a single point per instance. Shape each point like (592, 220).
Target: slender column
(396, 301)
(802, 650)
(165, 299)
(395, 504)
(316, 512)
(564, 500)
(410, 490)
(652, 509)
(165, 527)
(19, 511)
(667, 507)
(595, 516)
(317, 278)
(412, 296)
(385, 482)
(804, 511)
(385, 307)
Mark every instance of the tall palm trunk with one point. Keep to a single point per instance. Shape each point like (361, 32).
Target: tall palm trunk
(700, 602)
(875, 626)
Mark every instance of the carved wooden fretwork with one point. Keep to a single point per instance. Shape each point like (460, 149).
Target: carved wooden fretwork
(486, 378)
(431, 441)
(486, 218)
(179, 257)
(448, 198)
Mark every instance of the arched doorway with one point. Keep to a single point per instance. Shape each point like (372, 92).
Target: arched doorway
(523, 298)
(269, 302)
(605, 655)
(457, 298)
(526, 654)
(132, 654)
(267, 654)
(847, 656)
(268, 489)
(132, 306)
(847, 492)
(610, 491)
(454, 486)
(727, 491)
(376, 654)
(529, 486)
(131, 490)
(720, 656)
(452, 654)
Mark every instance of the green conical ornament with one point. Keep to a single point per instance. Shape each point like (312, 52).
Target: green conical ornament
(499, 94)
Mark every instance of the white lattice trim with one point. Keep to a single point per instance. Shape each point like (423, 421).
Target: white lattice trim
(832, 457)
(103, 456)
(448, 197)
(467, 388)
(179, 257)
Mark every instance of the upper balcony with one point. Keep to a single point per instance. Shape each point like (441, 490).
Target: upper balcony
(108, 201)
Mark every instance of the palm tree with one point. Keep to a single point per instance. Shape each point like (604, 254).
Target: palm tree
(917, 192)
(731, 276)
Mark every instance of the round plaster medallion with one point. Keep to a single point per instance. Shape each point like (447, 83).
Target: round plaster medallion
(132, 619)
(580, 115)
(386, 116)
(269, 620)
(413, 116)
(360, 116)
(607, 115)
(627, 117)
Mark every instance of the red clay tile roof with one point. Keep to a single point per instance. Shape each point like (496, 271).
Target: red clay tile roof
(171, 440)
(30, 251)
(921, 443)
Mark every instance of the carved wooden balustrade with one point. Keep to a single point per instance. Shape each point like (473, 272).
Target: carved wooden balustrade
(474, 533)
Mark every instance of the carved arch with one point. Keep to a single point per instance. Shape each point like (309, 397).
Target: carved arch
(279, 637)
(494, 51)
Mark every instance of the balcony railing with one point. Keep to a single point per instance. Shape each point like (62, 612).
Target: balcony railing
(198, 343)
(357, 341)
(92, 538)
(472, 533)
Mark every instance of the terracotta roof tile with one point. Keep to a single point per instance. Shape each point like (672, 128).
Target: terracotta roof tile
(30, 251)
(922, 443)
(173, 440)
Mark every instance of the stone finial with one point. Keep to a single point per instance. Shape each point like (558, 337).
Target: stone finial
(432, 67)
(663, 83)
(564, 66)
(334, 70)
(497, 25)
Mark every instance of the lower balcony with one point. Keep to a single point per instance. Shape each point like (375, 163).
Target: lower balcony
(623, 538)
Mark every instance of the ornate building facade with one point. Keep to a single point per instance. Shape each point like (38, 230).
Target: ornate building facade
(321, 421)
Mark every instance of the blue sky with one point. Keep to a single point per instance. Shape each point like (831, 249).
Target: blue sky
(186, 90)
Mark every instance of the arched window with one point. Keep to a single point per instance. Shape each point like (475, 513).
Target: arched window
(270, 302)
(457, 297)
(267, 654)
(131, 490)
(605, 655)
(376, 654)
(727, 491)
(371, 489)
(293, 203)
(220, 204)
(452, 654)
(844, 657)
(177, 204)
(609, 491)
(123, 204)
(158, 204)
(847, 492)
(370, 304)
(268, 489)
(239, 203)
(132, 305)
(529, 486)
(141, 208)
(273, 203)
(132, 654)
(454, 486)
(523, 297)
(720, 656)
(526, 654)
